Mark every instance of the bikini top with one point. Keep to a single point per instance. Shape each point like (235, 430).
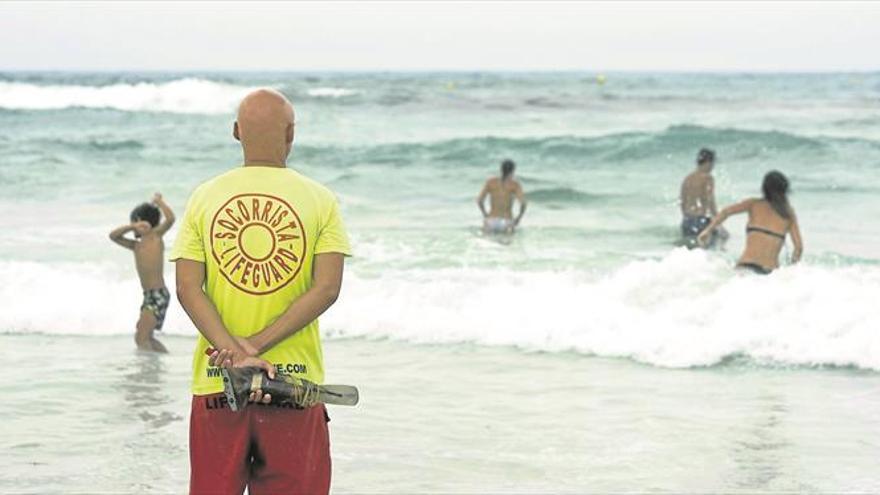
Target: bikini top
(750, 229)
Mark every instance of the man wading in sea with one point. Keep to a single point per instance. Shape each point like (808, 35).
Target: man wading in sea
(259, 257)
(501, 191)
(698, 202)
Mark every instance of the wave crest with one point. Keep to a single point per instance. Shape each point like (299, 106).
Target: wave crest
(189, 95)
(330, 92)
(678, 142)
(685, 310)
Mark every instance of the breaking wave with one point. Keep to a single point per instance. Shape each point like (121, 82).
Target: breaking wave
(687, 309)
(330, 92)
(188, 95)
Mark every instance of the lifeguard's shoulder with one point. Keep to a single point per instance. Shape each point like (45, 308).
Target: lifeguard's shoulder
(318, 189)
(290, 177)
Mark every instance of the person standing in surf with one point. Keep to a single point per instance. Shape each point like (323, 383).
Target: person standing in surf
(770, 219)
(259, 257)
(697, 200)
(149, 250)
(501, 192)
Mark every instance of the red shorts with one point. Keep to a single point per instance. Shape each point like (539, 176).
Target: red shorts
(269, 449)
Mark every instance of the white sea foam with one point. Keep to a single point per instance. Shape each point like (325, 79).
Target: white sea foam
(187, 95)
(330, 92)
(72, 299)
(685, 310)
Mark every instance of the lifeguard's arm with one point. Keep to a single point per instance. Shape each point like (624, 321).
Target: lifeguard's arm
(117, 235)
(167, 214)
(190, 293)
(717, 220)
(481, 199)
(796, 239)
(228, 352)
(521, 197)
(326, 283)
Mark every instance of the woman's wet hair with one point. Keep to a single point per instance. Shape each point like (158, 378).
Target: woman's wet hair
(146, 212)
(507, 167)
(775, 188)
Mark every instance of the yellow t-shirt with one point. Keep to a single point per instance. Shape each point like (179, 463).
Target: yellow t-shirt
(257, 230)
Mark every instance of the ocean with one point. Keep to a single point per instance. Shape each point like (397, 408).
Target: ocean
(589, 353)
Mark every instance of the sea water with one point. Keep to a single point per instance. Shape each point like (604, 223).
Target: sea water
(587, 353)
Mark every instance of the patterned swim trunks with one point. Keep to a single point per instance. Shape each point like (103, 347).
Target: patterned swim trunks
(156, 301)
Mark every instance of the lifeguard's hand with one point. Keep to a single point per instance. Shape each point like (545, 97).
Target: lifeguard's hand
(157, 197)
(230, 359)
(248, 347)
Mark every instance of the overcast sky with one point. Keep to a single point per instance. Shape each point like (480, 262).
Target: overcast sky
(670, 36)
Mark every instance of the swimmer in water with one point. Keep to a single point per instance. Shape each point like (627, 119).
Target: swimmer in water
(697, 201)
(501, 192)
(770, 219)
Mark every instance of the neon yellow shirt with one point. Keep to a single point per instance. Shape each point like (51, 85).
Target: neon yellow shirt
(257, 230)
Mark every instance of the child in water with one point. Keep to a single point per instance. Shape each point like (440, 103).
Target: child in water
(148, 256)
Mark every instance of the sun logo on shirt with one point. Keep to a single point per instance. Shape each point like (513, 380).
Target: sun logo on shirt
(258, 242)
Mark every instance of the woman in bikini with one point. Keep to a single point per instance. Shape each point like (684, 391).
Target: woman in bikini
(770, 219)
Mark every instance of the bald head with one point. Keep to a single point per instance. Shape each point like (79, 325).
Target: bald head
(264, 126)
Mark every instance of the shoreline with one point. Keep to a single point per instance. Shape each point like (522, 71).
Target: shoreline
(466, 418)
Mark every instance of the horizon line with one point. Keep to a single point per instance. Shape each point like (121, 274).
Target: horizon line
(446, 71)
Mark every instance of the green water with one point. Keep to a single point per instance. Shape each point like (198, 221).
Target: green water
(589, 354)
